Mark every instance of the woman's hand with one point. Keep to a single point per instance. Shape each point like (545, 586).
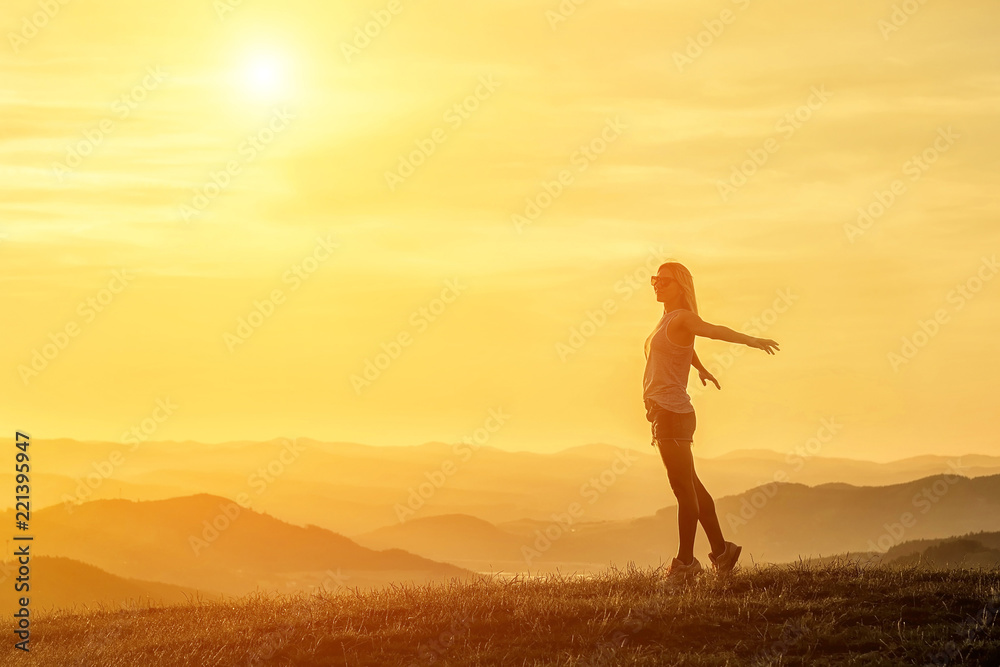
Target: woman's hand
(704, 375)
(763, 344)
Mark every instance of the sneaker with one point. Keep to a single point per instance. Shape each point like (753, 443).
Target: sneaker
(679, 572)
(726, 561)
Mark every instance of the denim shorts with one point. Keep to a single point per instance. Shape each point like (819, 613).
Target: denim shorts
(668, 425)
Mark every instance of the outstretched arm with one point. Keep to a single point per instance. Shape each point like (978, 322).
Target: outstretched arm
(700, 327)
(703, 373)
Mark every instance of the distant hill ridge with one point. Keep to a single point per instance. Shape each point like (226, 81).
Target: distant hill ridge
(210, 543)
(778, 522)
(353, 489)
(63, 583)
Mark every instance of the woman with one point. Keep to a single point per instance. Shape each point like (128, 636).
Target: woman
(669, 356)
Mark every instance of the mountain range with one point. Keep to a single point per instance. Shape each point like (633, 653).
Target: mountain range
(354, 489)
(775, 523)
(123, 551)
(211, 544)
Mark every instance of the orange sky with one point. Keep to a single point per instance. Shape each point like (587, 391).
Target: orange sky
(223, 162)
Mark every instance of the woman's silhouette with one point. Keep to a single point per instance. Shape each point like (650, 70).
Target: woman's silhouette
(669, 356)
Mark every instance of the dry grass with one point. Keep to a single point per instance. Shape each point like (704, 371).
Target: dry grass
(842, 614)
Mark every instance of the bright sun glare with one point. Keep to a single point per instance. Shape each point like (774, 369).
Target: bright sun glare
(266, 77)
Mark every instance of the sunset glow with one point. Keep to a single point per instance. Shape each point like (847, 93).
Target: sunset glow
(818, 172)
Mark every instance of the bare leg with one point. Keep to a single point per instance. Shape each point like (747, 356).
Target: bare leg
(708, 517)
(680, 472)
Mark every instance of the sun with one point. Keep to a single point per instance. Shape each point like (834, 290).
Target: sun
(267, 77)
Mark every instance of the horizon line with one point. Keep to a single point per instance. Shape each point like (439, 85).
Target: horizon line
(518, 451)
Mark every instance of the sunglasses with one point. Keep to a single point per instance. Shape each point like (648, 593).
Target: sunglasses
(656, 279)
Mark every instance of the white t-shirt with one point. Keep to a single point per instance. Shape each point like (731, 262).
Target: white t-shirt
(667, 367)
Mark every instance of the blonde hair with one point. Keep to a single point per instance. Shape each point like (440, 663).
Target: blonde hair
(684, 279)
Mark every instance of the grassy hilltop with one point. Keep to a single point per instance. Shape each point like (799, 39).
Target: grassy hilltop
(840, 613)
